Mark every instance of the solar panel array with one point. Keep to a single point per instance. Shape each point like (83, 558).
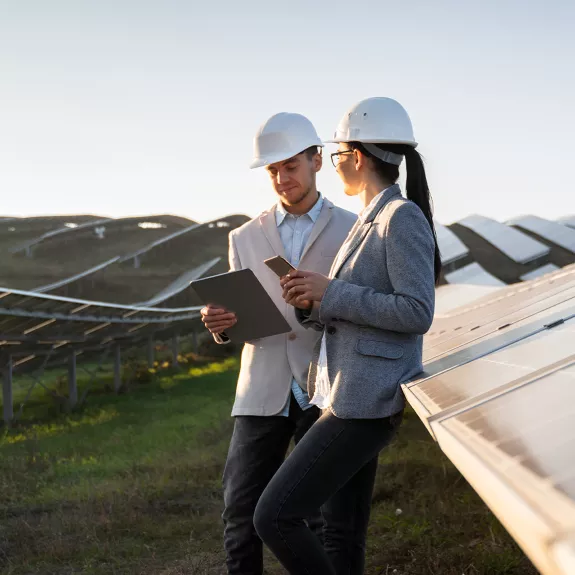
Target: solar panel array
(498, 394)
(521, 249)
(44, 330)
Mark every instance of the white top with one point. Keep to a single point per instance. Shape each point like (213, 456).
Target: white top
(321, 396)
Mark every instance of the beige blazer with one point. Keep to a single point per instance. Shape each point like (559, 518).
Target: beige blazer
(267, 364)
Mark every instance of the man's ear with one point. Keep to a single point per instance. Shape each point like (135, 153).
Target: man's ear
(317, 161)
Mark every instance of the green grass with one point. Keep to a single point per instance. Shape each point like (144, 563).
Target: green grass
(131, 484)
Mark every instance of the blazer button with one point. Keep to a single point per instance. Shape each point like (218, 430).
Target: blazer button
(292, 336)
(331, 330)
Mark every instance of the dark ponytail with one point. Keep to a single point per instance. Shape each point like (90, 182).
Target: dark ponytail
(417, 189)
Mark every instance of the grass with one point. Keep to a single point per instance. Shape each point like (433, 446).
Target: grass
(131, 484)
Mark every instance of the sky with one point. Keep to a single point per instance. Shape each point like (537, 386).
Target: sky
(132, 107)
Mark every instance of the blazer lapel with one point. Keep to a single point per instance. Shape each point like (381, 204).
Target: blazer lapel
(356, 237)
(270, 229)
(359, 231)
(319, 226)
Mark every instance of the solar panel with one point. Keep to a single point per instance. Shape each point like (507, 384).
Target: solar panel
(495, 369)
(568, 221)
(539, 272)
(533, 315)
(514, 244)
(473, 274)
(517, 450)
(29, 318)
(555, 232)
(498, 394)
(182, 283)
(450, 246)
(451, 296)
(504, 300)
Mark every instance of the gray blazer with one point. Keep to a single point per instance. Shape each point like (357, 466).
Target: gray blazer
(376, 309)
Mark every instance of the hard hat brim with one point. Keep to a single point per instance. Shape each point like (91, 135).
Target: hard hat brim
(412, 143)
(272, 159)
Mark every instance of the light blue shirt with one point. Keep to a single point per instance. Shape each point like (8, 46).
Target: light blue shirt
(294, 232)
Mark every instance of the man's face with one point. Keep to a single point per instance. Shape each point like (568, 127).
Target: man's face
(293, 179)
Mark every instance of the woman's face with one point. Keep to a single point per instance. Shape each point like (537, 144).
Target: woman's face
(347, 169)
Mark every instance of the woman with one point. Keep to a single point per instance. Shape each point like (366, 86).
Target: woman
(373, 311)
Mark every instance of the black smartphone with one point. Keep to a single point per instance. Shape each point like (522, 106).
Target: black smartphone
(280, 266)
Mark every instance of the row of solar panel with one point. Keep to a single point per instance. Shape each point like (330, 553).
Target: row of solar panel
(522, 241)
(498, 394)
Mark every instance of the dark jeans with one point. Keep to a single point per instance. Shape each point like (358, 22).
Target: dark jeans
(257, 450)
(334, 468)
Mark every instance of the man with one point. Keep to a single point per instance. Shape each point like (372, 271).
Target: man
(271, 404)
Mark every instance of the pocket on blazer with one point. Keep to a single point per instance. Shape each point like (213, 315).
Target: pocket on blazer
(382, 349)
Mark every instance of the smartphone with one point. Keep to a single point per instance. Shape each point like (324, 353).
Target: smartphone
(280, 266)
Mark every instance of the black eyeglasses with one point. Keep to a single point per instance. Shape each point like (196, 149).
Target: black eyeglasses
(335, 157)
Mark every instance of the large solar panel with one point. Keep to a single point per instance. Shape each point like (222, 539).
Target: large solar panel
(514, 244)
(473, 274)
(497, 365)
(504, 300)
(449, 297)
(59, 232)
(555, 232)
(450, 246)
(181, 284)
(84, 274)
(498, 394)
(539, 272)
(31, 321)
(568, 221)
(517, 449)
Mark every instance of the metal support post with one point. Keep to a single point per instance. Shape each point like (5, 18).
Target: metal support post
(117, 368)
(72, 381)
(195, 342)
(151, 351)
(175, 345)
(8, 407)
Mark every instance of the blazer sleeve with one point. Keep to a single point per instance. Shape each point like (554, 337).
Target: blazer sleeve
(234, 261)
(309, 318)
(409, 248)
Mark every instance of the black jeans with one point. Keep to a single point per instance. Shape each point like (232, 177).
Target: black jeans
(333, 467)
(257, 450)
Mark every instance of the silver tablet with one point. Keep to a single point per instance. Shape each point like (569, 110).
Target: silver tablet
(241, 292)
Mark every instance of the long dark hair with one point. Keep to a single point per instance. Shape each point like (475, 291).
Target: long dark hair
(417, 189)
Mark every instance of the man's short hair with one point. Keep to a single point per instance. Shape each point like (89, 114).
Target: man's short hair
(312, 151)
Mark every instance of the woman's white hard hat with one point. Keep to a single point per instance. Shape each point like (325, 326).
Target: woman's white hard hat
(375, 121)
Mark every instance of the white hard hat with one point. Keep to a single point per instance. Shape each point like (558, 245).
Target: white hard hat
(283, 136)
(375, 121)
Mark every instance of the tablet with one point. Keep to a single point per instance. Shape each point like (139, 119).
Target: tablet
(241, 292)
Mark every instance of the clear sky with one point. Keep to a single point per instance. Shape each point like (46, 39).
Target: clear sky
(124, 107)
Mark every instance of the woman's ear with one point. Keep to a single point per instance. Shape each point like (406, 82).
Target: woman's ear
(360, 160)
